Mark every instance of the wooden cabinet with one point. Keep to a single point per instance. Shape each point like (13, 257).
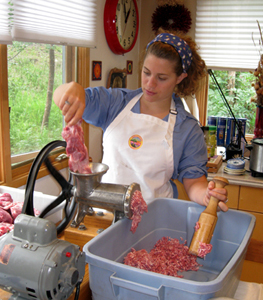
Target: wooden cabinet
(251, 199)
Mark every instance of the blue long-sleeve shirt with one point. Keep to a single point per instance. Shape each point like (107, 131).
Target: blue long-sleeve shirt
(189, 148)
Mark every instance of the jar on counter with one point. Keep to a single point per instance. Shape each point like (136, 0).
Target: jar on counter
(210, 140)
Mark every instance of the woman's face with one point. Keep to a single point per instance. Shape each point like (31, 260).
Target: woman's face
(158, 79)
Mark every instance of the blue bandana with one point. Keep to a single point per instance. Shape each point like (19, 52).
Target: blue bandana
(179, 45)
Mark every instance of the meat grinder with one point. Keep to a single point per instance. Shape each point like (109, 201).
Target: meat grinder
(81, 192)
(90, 192)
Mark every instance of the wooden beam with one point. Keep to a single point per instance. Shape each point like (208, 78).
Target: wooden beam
(5, 152)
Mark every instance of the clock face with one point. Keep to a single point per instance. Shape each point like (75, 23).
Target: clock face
(126, 22)
(121, 24)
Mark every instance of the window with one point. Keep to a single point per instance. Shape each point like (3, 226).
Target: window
(26, 63)
(227, 33)
(34, 71)
(238, 91)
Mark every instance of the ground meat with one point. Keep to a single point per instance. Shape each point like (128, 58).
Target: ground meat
(138, 207)
(168, 257)
(197, 226)
(204, 249)
(76, 149)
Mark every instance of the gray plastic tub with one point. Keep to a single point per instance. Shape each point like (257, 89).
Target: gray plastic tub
(218, 277)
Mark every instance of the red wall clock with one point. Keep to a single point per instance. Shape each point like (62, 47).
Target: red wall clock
(121, 25)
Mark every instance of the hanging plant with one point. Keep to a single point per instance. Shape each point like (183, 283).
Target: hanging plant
(258, 73)
(171, 18)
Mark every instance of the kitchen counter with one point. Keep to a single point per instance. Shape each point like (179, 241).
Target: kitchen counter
(243, 180)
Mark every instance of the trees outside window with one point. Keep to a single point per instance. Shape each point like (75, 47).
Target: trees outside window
(34, 71)
(238, 91)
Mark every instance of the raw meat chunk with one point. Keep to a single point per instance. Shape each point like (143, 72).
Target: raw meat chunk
(6, 201)
(5, 227)
(9, 210)
(5, 216)
(76, 149)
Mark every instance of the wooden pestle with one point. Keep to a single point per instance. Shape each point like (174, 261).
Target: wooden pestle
(207, 220)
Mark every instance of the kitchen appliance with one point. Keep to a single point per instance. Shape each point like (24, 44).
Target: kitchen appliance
(256, 157)
(81, 191)
(218, 276)
(34, 264)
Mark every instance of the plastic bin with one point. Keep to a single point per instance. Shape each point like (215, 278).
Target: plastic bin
(218, 277)
(41, 201)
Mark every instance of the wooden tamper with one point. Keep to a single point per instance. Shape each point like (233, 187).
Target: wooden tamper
(207, 220)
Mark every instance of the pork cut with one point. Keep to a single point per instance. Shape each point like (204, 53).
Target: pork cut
(6, 201)
(5, 216)
(5, 228)
(76, 149)
(168, 257)
(9, 210)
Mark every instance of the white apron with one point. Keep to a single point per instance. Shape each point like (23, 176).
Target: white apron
(139, 148)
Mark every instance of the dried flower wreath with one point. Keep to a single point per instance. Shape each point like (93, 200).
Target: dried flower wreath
(171, 18)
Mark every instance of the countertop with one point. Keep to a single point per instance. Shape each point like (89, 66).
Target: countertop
(245, 180)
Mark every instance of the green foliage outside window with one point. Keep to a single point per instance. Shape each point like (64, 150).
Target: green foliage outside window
(29, 80)
(238, 91)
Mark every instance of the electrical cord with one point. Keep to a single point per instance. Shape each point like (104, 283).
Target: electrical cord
(77, 290)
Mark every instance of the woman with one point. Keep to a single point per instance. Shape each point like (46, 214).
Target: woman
(148, 136)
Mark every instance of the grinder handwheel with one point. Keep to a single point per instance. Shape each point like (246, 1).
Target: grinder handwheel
(66, 193)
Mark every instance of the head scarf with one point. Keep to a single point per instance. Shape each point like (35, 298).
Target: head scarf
(179, 45)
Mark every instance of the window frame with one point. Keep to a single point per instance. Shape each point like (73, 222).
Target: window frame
(77, 69)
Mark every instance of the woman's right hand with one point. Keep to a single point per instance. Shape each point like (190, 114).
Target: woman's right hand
(70, 98)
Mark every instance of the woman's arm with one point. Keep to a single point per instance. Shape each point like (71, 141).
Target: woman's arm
(70, 98)
(200, 191)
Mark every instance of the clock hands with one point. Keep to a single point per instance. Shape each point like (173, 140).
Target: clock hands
(124, 7)
(127, 16)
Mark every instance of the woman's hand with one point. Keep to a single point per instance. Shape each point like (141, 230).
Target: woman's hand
(200, 191)
(219, 193)
(70, 98)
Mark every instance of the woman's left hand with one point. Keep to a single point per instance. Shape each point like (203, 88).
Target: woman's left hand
(219, 193)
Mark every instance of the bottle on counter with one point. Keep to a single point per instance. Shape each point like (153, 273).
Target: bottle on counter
(221, 131)
(230, 133)
(210, 140)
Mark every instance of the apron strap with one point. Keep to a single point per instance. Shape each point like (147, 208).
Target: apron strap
(171, 122)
